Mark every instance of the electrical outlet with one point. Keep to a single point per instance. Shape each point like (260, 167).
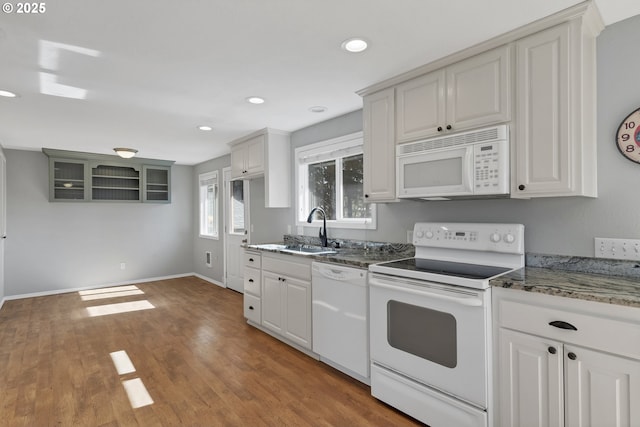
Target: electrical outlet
(123, 266)
(409, 236)
(617, 248)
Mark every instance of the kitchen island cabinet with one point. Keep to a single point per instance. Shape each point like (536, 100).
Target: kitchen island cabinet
(565, 362)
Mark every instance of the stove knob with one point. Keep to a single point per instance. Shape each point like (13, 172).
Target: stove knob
(509, 238)
(429, 234)
(495, 237)
(419, 234)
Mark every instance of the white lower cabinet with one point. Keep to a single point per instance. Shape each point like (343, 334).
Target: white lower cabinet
(549, 376)
(286, 298)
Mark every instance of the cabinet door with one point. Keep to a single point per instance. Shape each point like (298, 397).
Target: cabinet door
(298, 311)
(68, 180)
(479, 90)
(543, 144)
(530, 381)
(601, 389)
(238, 156)
(254, 160)
(272, 302)
(156, 184)
(379, 151)
(420, 107)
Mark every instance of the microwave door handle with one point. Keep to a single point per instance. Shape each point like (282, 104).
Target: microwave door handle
(469, 172)
(471, 302)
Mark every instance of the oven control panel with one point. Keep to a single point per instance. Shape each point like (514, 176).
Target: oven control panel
(507, 238)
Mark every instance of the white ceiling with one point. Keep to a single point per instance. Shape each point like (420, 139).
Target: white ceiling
(152, 71)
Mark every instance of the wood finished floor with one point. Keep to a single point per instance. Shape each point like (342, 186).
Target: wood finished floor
(200, 362)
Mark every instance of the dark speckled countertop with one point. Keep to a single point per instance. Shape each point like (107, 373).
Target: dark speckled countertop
(354, 253)
(561, 278)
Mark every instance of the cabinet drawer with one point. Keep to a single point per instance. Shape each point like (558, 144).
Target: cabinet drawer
(252, 281)
(252, 259)
(252, 308)
(594, 330)
(288, 266)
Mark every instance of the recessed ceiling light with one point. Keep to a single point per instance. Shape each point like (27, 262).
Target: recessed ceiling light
(206, 128)
(7, 94)
(318, 109)
(255, 100)
(355, 45)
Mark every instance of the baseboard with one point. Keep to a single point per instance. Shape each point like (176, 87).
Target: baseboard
(208, 279)
(107, 285)
(2, 302)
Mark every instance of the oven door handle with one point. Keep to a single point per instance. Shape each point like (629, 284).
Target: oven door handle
(471, 302)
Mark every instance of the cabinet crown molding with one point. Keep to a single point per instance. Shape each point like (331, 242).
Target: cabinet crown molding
(80, 155)
(587, 11)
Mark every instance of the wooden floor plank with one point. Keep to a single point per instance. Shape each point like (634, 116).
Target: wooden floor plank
(200, 362)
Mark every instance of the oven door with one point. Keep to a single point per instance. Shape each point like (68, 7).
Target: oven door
(436, 173)
(433, 333)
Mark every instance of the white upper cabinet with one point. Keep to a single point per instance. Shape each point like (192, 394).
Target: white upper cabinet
(379, 156)
(555, 138)
(470, 93)
(266, 153)
(247, 158)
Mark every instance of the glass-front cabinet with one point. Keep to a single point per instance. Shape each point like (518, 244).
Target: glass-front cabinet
(78, 177)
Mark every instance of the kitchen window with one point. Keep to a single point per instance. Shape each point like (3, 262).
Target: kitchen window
(329, 175)
(208, 190)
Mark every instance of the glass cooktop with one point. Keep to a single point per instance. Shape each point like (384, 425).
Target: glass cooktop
(447, 268)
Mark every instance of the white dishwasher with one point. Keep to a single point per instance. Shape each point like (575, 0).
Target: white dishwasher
(340, 318)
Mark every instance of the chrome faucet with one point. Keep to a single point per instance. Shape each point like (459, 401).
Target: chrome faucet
(323, 230)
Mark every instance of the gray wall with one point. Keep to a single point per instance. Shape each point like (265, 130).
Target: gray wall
(2, 241)
(565, 225)
(202, 245)
(57, 246)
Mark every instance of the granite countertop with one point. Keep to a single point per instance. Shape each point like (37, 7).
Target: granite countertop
(350, 253)
(588, 286)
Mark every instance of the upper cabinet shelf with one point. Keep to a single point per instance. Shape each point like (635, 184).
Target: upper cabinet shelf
(76, 176)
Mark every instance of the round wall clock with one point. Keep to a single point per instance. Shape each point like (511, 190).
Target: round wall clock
(628, 136)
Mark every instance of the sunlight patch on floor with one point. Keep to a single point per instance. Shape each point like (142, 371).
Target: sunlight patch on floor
(137, 393)
(110, 295)
(122, 362)
(123, 307)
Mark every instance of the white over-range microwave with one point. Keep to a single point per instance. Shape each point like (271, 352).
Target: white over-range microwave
(462, 165)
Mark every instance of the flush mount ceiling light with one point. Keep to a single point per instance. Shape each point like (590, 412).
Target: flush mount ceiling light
(354, 45)
(7, 94)
(255, 100)
(318, 109)
(205, 128)
(125, 153)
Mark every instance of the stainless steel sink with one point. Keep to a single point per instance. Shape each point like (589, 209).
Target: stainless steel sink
(308, 250)
(297, 249)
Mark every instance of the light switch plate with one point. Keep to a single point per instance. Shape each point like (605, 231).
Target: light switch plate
(617, 248)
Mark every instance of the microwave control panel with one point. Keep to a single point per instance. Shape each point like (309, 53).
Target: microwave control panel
(491, 168)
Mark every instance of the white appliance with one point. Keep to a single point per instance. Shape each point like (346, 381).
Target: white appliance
(340, 323)
(463, 165)
(430, 321)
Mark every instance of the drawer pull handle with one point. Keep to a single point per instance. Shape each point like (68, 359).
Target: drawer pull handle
(552, 350)
(250, 280)
(250, 259)
(563, 325)
(572, 356)
(250, 307)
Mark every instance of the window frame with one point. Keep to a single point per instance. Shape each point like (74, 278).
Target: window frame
(348, 145)
(203, 179)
